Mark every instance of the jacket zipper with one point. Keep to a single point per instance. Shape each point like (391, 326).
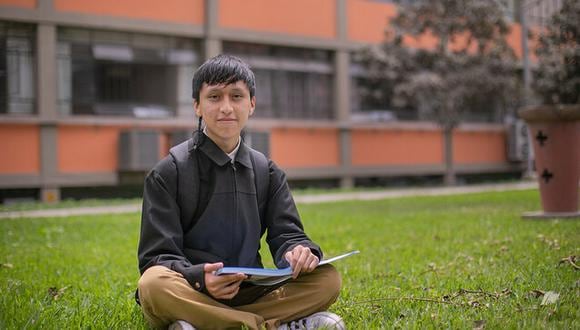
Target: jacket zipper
(235, 218)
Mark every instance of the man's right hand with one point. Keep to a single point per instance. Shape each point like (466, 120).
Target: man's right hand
(222, 286)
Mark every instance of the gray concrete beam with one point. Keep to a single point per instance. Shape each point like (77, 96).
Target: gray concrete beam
(44, 15)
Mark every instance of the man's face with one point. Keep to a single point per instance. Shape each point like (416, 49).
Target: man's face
(225, 110)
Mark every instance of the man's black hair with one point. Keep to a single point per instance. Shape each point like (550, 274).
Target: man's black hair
(223, 69)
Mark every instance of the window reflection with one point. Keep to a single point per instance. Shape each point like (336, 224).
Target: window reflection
(290, 82)
(124, 74)
(17, 69)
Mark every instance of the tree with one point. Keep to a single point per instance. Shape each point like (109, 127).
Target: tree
(471, 67)
(557, 77)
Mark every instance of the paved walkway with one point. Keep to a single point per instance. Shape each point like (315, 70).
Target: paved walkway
(302, 199)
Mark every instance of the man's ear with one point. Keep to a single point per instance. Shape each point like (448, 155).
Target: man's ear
(196, 108)
(252, 105)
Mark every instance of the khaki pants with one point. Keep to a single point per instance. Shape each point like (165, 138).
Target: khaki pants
(166, 297)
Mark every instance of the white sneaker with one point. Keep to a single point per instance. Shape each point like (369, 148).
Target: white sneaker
(180, 325)
(321, 320)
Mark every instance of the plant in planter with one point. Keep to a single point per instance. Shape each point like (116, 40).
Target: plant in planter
(555, 125)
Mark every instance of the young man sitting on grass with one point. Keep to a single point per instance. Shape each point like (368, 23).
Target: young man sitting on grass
(206, 206)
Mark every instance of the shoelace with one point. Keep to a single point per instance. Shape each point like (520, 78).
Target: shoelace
(299, 325)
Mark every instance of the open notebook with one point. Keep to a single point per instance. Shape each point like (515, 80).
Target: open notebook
(271, 276)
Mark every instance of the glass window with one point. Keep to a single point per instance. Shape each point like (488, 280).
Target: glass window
(291, 82)
(367, 103)
(124, 74)
(17, 69)
(258, 140)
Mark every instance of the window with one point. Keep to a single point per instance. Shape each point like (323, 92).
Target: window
(539, 13)
(124, 74)
(368, 104)
(290, 82)
(17, 69)
(258, 140)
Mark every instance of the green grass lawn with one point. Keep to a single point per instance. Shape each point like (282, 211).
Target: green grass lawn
(30, 206)
(426, 262)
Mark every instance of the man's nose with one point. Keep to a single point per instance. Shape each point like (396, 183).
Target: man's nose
(226, 106)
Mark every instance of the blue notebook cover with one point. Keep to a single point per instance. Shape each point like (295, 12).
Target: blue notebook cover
(271, 276)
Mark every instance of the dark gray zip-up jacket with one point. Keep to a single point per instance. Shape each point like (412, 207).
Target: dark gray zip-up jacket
(209, 213)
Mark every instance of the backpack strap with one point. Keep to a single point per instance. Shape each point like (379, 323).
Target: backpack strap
(262, 182)
(188, 191)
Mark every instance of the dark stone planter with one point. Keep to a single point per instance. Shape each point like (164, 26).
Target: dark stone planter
(555, 130)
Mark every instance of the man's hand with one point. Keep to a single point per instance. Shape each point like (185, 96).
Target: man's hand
(223, 286)
(302, 260)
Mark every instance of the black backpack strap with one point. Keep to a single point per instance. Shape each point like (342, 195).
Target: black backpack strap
(262, 182)
(188, 191)
(187, 183)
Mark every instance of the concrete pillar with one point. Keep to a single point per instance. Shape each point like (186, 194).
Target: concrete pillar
(46, 66)
(47, 108)
(347, 180)
(50, 195)
(529, 172)
(341, 20)
(342, 86)
(45, 7)
(212, 47)
(212, 44)
(342, 95)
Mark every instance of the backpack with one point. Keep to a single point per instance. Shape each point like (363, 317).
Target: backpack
(188, 182)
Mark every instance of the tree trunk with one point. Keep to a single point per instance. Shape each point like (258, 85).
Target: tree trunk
(448, 151)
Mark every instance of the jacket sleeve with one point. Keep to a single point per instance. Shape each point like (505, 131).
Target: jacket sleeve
(285, 229)
(161, 240)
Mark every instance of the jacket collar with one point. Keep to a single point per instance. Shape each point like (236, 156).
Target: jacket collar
(243, 155)
(218, 156)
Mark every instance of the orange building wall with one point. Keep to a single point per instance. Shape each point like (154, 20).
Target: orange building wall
(367, 20)
(164, 145)
(514, 39)
(177, 11)
(479, 147)
(83, 149)
(400, 147)
(297, 147)
(372, 147)
(19, 3)
(87, 149)
(428, 41)
(19, 149)
(296, 17)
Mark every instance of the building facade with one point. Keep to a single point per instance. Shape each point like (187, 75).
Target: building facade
(92, 92)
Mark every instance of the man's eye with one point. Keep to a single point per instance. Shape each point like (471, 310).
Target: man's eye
(213, 97)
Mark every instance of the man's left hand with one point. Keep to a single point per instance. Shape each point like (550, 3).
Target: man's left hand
(302, 260)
